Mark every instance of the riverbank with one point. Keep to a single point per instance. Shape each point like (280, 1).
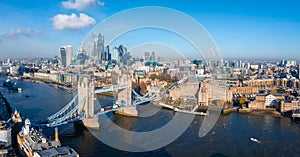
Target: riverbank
(5, 108)
(9, 133)
(43, 80)
(110, 94)
(59, 85)
(176, 109)
(269, 111)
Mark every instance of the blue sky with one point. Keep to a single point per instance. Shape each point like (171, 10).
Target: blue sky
(241, 29)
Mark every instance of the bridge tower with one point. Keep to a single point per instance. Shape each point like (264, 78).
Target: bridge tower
(124, 96)
(86, 90)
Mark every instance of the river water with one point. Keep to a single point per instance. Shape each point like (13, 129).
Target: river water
(231, 136)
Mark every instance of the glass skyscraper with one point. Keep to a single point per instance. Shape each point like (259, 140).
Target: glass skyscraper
(66, 53)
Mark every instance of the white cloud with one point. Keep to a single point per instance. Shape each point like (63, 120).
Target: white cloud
(19, 33)
(63, 21)
(81, 4)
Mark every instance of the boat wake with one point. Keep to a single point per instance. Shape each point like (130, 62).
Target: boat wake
(255, 140)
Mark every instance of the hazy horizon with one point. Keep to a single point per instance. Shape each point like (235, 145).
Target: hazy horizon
(240, 29)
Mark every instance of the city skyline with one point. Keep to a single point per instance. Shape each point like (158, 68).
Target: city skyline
(149, 78)
(245, 30)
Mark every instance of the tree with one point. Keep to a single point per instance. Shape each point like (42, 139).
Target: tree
(143, 88)
(243, 100)
(153, 76)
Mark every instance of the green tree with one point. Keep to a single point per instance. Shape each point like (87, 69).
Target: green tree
(243, 100)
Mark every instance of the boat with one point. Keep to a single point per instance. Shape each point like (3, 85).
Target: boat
(295, 113)
(16, 117)
(255, 140)
(8, 83)
(33, 143)
(11, 84)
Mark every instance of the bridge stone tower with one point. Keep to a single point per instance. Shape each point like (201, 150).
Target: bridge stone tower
(86, 96)
(124, 96)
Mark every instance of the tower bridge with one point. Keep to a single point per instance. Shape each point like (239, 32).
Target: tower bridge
(82, 106)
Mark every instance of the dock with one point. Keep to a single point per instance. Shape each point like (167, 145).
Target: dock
(295, 113)
(193, 111)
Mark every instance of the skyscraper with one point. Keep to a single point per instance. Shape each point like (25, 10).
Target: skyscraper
(146, 56)
(107, 53)
(153, 56)
(66, 53)
(81, 57)
(115, 54)
(101, 47)
(63, 55)
(98, 47)
(122, 50)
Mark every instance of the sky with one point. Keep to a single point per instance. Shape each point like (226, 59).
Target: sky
(241, 29)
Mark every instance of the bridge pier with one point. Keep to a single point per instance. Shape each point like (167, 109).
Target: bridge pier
(91, 122)
(128, 111)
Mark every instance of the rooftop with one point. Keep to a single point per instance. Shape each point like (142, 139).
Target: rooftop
(59, 151)
(38, 141)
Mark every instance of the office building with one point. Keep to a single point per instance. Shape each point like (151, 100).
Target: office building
(122, 50)
(98, 47)
(153, 56)
(80, 57)
(115, 54)
(66, 53)
(107, 54)
(146, 56)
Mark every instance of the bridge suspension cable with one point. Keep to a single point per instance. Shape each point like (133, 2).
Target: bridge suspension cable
(60, 112)
(66, 116)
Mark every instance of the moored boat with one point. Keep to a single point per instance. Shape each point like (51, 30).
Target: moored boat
(11, 84)
(34, 144)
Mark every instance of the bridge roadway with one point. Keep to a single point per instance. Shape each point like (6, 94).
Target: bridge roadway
(110, 88)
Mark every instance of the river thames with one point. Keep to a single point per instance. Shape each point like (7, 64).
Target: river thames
(231, 136)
